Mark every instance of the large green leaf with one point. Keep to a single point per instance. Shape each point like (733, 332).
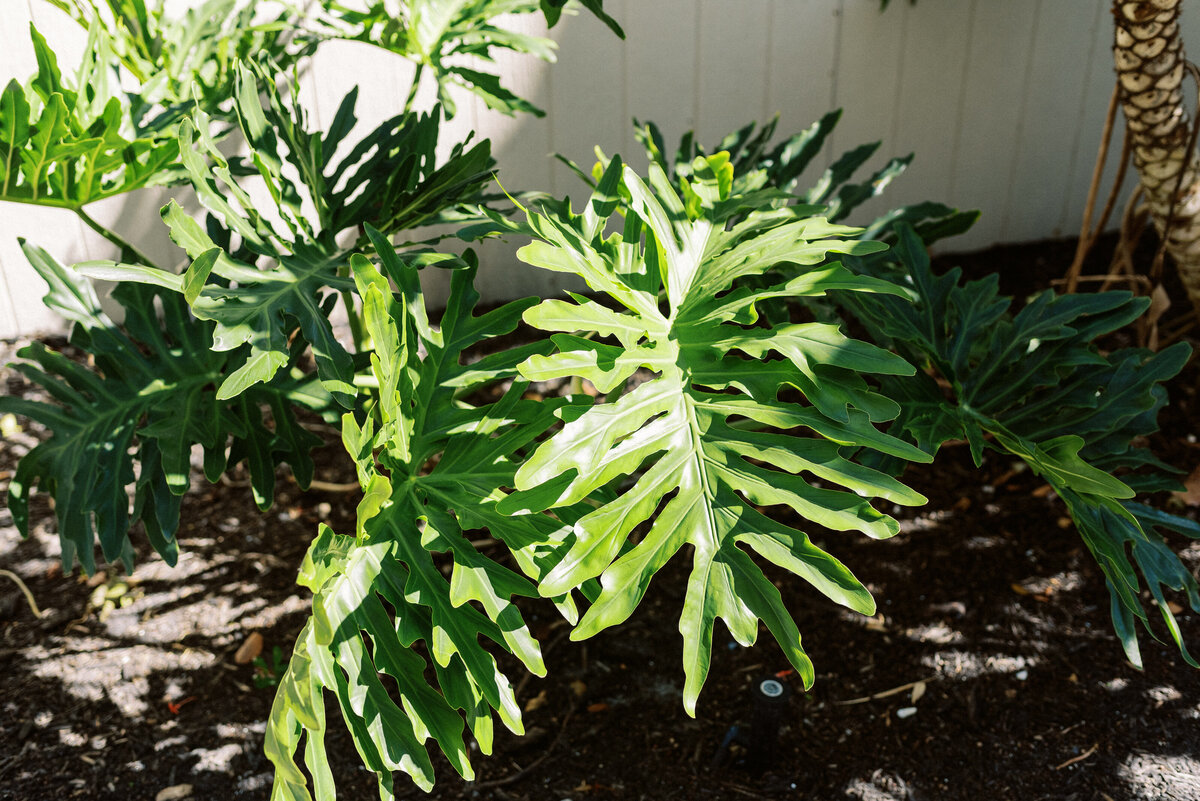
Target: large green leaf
(434, 468)
(69, 145)
(1034, 385)
(127, 425)
(286, 277)
(179, 57)
(699, 446)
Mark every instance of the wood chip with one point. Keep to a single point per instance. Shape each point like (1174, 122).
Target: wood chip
(251, 647)
(175, 792)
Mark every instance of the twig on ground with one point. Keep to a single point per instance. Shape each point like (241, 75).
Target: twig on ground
(330, 486)
(1079, 758)
(33, 607)
(885, 693)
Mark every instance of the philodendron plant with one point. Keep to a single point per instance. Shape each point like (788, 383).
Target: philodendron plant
(718, 407)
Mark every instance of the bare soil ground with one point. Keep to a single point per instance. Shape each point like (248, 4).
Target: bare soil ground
(991, 670)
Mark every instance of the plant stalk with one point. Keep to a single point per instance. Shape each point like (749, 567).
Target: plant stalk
(128, 252)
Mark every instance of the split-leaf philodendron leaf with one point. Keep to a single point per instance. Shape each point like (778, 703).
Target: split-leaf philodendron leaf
(383, 586)
(146, 401)
(706, 440)
(1034, 385)
(68, 145)
(284, 277)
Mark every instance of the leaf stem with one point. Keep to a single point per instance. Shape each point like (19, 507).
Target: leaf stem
(128, 251)
(414, 87)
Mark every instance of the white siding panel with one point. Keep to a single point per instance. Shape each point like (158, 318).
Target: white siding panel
(996, 78)
(16, 60)
(802, 41)
(26, 289)
(587, 97)
(1094, 106)
(867, 83)
(1002, 102)
(733, 66)
(661, 65)
(931, 93)
(1041, 174)
(522, 146)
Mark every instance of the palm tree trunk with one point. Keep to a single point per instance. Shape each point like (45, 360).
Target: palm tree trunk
(1150, 66)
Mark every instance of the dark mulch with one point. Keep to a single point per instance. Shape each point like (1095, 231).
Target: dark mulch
(988, 598)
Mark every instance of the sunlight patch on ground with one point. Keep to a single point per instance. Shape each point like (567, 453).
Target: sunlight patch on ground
(1067, 581)
(1162, 776)
(1162, 694)
(87, 669)
(190, 564)
(966, 665)
(881, 786)
(219, 617)
(242, 731)
(217, 760)
(938, 633)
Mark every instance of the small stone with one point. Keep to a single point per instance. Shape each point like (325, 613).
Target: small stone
(906, 712)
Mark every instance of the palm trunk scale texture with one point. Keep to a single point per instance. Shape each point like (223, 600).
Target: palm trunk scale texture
(1150, 64)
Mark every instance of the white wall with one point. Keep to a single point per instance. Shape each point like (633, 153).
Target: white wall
(1003, 103)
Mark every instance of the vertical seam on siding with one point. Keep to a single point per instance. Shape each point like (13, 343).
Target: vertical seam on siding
(1080, 130)
(697, 61)
(961, 111)
(768, 50)
(894, 133)
(1021, 112)
(839, 29)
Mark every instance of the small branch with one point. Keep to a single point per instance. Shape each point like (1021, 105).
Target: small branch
(128, 251)
(33, 607)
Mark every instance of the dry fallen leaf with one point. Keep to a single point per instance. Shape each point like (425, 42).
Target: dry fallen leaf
(251, 648)
(537, 702)
(918, 690)
(174, 793)
(1191, 493)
